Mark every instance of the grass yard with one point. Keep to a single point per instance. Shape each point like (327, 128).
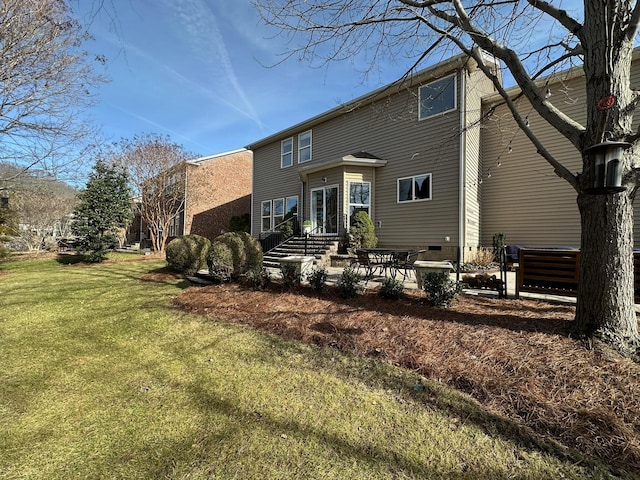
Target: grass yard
(103, 378)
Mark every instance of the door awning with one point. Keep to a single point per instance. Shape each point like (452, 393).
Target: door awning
(358, 159)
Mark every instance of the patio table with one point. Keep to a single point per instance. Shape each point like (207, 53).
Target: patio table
(390, 260)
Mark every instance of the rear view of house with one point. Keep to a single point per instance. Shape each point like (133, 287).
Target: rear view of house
(407, 154)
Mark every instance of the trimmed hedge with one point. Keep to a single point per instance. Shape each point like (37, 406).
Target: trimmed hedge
(188, 254)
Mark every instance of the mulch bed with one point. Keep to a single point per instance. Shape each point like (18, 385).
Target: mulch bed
(516, 357)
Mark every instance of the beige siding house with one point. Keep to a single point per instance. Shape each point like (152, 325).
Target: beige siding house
(403, 153)
(429, 165)
(521, 195)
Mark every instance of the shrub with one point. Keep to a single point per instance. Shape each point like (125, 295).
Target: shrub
(286, 228)
(187, 254)
(259, 278)
(349, 284)
(220, 262)
(242, 254)
(4, 252)
(240, 223)
(391, 288)
(362, 231)
(290, 275)
(440, 289)
(317, 278)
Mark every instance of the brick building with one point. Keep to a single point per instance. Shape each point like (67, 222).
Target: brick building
(212, 190)
(219, 187)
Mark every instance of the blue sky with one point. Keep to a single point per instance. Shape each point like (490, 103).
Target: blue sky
(208, 73)
(196, 70)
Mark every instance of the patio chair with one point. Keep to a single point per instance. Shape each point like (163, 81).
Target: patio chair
(404, 262)
(369, 264)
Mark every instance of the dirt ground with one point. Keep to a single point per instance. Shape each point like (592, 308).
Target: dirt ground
(516, 357)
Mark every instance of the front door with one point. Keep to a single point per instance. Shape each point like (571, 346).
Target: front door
(324, 210)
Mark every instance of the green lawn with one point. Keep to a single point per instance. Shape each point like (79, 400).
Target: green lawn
(101, 378)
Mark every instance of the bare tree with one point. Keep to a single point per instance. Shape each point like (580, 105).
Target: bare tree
(46, 83)
(157, 169)
(42, 206)
(600, 36)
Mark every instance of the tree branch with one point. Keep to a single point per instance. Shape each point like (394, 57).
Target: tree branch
(560, 15)
(568, 127)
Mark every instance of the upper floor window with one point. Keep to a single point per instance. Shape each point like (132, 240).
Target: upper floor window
(304, 147)
(411, 189)
(437, 97)
(286, 153)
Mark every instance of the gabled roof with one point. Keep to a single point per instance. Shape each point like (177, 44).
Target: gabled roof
(431, 73)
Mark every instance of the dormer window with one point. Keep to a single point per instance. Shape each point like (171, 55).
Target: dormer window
(437, 97)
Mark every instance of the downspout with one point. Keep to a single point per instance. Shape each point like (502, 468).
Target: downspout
(301, 213)
(184, 208)
(462, 171)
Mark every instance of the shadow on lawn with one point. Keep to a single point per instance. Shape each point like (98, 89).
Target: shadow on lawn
(506, 314)
(433, 396)
(400, 331)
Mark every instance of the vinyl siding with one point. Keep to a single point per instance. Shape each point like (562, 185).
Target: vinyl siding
(477, 86)
(389, 129)
(524, 199)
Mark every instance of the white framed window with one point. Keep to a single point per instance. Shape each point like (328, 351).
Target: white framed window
(414, 189)
(286, 153)
(304, 147)
(291, 207)
(278, 211)
(437, 97)
(359, 198)
(266, 216)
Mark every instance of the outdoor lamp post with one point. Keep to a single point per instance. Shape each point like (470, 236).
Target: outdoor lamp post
(608, 172)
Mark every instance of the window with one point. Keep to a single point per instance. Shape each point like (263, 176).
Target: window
(266, 215)
(304, 147)
(291, 207)
(286, 153)
(174, 225)
(412, 189)
(359, 198)
(278, 212)
(437, 97)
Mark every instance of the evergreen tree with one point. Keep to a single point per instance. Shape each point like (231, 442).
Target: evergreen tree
(104, 206)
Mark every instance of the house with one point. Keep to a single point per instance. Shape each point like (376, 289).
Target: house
(219, 188)
(521, 195)
(408, 154)
(435, 159)
(205, 193)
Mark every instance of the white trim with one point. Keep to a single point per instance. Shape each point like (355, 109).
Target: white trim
(455, 97)
(262, 216)
(462, 174)
(402, 202)
(348, 195)
(324, 207)
(283, 153)
(310, 147)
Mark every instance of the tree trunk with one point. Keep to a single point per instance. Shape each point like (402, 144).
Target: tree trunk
(605, 305)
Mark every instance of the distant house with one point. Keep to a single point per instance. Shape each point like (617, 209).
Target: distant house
(435, 159)
(210, 191)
